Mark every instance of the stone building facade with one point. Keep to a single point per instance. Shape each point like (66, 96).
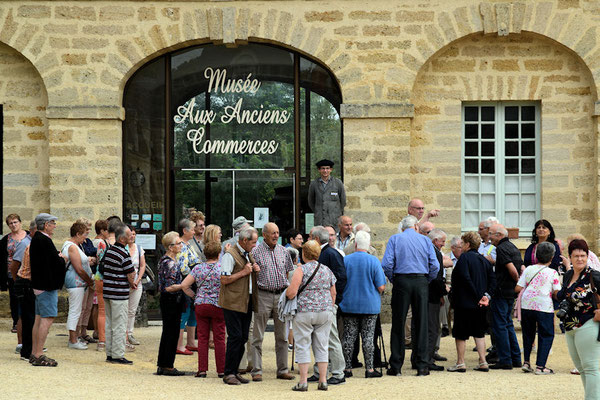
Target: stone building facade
(405, 70)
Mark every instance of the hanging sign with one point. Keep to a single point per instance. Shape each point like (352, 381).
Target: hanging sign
(198, 119)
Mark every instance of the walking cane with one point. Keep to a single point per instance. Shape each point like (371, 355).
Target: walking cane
(293, 352)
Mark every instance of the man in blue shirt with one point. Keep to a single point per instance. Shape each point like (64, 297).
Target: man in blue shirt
(410, 264)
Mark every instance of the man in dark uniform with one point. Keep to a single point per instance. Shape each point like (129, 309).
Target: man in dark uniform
(326, 196)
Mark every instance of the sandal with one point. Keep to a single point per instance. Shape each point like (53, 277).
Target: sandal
(200, 374)
(526, 367)
(483, 367)
(43, 361)
(89, 339)
(543, 371)
(300, 387)
(457, 368)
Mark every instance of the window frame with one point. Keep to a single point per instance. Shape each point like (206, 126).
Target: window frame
(499, 164)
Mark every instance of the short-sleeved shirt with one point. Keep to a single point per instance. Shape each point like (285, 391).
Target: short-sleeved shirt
(227, 264)
(316, 297)
(101, 246)
(506, 252)
(487, 249)
(537, 292)
(365, 275)
(117, 265)
(11, 247)
(72, 278)
(24, 271)
(579, 295)
(169, 273)
(187, 258)
(208, 279)
(137, 255)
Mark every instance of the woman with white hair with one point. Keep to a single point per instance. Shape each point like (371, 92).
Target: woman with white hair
(361, 302)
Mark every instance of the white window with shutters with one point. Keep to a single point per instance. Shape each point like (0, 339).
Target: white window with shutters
(501, 168)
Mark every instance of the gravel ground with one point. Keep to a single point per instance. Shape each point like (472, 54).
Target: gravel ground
(85, 374)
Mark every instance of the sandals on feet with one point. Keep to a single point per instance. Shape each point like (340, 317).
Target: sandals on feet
(483, 367)
(200, 374)
(543, 371)
(526, 367)
(457, 368)
(43, 361)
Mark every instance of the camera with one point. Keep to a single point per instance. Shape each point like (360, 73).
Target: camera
(563, 309)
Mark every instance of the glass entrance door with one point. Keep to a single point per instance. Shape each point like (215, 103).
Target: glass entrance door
(225, 194)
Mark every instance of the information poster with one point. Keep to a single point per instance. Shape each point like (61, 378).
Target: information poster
(261, 217)
(146, 242)
(146, 217)
(309, 222)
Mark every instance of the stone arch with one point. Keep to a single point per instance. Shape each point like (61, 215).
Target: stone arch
(525, 67)
(25, 171)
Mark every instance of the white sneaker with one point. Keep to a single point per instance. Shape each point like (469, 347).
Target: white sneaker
(77, 346)
(18, 349)
(133, 340)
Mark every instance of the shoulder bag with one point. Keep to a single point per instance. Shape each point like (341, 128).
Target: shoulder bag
(517, 313)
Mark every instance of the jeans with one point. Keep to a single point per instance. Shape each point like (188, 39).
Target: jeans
(507, 345)
(170, 311)
(544, 322)
(585, 353)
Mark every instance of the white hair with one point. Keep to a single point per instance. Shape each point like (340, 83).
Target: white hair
(362, 240)
(361, 226)
(436, 234)
(455, 241)
(247, 233)
(502, 230)
(490, 221)
(408, 222)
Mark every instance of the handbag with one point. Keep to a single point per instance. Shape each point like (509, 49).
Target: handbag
(517, 313)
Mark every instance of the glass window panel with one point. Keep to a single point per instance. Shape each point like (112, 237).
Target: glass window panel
(528, 148)
(472, 201)
(528, 166)
(511, 131)
(471, 184)
(511, 166)
(471, 149)
(471, 131)
(528, 184)
(528, 202)
(488, 149)
(488, 184)
(511, 149)
(488, 166)
(528, 131)
(512, 202)
(528, 113)
(471, 219)
(488, 131)
(471, 113)
(487, 113)
(511, 184)
(511, 113)
(488, 201)
(528, 219)
(472, 166)
(512, 219)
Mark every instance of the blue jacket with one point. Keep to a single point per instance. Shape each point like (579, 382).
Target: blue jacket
(334, 260)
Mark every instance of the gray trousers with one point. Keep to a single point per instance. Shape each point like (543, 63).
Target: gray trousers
(336, 354)
(116, 327)
(267, 308)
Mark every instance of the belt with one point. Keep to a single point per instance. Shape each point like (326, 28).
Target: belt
(403, 275)
(276, 291)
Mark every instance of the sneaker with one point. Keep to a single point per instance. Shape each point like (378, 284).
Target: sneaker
(77, 346)
(100, 346)
(18, 349)
(129, 348)
(132, 340)
(312, 378)
(121, 361)
(336, 381)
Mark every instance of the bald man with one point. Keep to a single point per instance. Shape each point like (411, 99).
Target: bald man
(275, 263)
(416, 208)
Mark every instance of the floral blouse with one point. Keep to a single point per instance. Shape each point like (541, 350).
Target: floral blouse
(539, 282)
(168, 273)
(316, 297)
(579, 295)
(208, 279)
(187, 258)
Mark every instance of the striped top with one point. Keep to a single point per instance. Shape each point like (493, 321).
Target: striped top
(117, 265)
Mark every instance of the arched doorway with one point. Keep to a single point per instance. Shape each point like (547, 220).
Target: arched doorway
(227, 131)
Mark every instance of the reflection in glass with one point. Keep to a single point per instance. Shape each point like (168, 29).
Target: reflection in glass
(471, 131)
(471, 113)
(511, 113)
(488, 113)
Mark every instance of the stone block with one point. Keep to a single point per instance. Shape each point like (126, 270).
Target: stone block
(23, 89)
(67, 151)
(414, 16)
(381, 110)
(346, 30)
(59, 42)
(116, 13)
(434, 36)
(518, 16)
(229, 25)
(64, 29)
(445, 23)
(256, 24)
(172, 13)
(60, 135)
(399, 44)
(413, 29)
(362, 92)
(215, 23)
(310, 46)
(14, 197)
(200, 16)
(462, 21)
(89, 43)
(488, 17)
(34, 11)
(587, 42)
(118, 63)
(576, 91)
(31, 121)
(283, 27)
(543, 65)
(75, 12)
(74, 59)
(242, 29)
(371, 15)
(382, 30)
(542, 16)
(146, 14)
(22, 179)
(453, 65)
(377, 58)
(505, 65)
(323, 16)
(157, 37)
(328, 49)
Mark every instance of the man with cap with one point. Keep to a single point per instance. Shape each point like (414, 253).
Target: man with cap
(326, 196)
(47, 277)
(238, 225)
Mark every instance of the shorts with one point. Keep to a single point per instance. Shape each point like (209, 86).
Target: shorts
(469, 322)
(46, 304)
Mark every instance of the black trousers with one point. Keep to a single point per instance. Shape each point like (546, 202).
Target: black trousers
(238, 325)
(170, 310)
(26, 299)
(433, 327)
(409, 290)
(14, 303)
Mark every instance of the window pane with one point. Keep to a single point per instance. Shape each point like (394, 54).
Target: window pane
(528, 219)
(488, 166)
(472, 201)
(488, 201)
(471, 166)
(528, 113)
(487, 131)
(511, 166)
(512, 201)
(471, 184)
(511, 184)
(528, 202)
(472, 149)
(511, 113)
(528, 184)
(471, 131)
(511, 131)
(488, 149)
(528, 166)
(527, 148)
(471, 113)
(528, 131)
(487, 113)
(488, 184)
(471, 219)
(512, 219)
(511, 149)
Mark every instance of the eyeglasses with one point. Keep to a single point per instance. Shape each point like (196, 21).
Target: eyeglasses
(175, 244)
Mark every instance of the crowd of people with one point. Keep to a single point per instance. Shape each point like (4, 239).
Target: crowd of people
(323, 294)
